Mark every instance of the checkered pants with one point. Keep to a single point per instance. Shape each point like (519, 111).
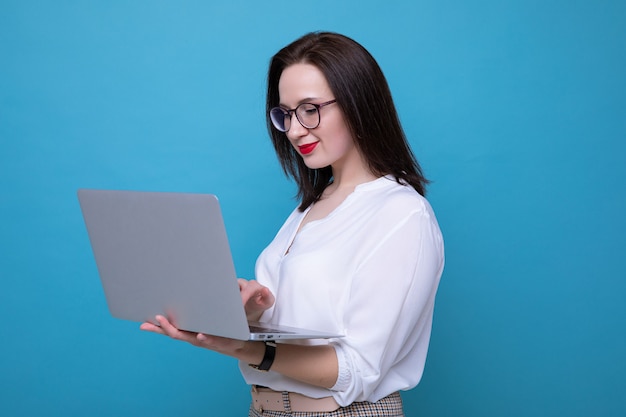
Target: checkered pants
(390, 406)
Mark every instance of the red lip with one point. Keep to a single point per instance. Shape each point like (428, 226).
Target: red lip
(308, 148)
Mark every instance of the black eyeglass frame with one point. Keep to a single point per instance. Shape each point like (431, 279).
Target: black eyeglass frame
(291, 112)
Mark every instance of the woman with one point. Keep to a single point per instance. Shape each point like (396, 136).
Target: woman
(361, 256)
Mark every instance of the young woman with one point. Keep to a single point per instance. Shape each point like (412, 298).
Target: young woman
(361, 256)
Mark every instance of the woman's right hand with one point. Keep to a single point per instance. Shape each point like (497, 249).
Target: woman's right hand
(255, 297)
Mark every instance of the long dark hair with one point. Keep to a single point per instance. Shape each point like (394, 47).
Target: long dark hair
(363, 95)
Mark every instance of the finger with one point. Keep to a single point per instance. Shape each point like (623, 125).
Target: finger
(219, 344)
(150, 327)
(266, 298)
(248, 287)
(203, 338)
(259, 296)
(164, 323)
(172, 331)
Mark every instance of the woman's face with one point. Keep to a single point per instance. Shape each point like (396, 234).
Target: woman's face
(330, 143)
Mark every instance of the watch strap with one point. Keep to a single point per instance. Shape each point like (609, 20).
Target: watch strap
(268, 357)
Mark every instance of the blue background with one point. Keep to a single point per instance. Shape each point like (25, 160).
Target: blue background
(516, 110)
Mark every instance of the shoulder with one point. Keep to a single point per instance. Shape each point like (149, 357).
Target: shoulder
(388, 196)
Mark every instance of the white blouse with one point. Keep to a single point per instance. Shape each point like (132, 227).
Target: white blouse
(369, 270)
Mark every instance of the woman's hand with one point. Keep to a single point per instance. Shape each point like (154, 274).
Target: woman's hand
(315, 365)
(223, 345)
(255, 297)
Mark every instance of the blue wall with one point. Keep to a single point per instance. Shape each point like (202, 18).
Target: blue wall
(516, 109)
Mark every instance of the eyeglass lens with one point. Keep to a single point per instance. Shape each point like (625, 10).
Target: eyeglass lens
(307, 114)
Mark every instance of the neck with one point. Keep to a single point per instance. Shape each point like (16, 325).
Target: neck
(351, 181)
(349, 176)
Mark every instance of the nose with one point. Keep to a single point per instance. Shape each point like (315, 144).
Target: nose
(296, 130)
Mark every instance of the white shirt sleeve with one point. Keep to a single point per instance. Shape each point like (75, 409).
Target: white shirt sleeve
(390, 307)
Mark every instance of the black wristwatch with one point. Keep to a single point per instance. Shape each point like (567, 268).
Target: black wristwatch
(268, 357)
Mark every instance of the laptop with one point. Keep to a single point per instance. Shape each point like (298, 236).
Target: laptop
(168, 254)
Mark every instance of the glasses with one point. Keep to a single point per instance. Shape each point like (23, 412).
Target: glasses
(308, 114)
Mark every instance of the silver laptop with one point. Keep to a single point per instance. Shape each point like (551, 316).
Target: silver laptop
(168, 254)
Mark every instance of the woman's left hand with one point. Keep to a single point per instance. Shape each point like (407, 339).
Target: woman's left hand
(219, 344)
(315, 365)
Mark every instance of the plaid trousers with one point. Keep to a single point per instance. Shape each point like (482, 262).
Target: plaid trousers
(390, 406)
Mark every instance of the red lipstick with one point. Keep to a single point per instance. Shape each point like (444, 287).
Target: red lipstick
(308, 148)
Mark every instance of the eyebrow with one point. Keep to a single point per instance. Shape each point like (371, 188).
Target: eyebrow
(304, 100)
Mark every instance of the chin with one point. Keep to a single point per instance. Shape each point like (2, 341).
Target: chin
(315, 166)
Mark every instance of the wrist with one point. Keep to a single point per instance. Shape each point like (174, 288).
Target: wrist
(251, 352)
(267, 360)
